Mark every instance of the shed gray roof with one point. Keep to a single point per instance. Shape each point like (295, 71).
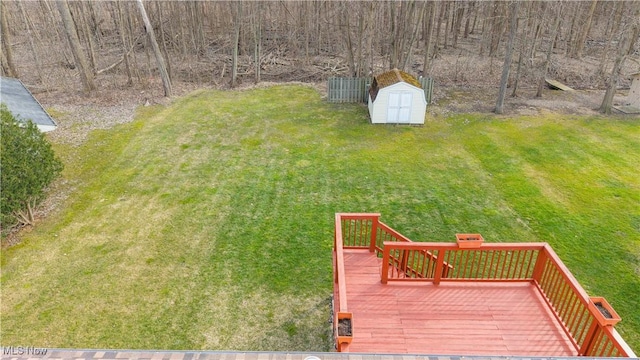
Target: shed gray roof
(21, 103)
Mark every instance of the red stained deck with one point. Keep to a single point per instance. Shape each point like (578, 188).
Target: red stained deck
(463, 298)
(449, 318)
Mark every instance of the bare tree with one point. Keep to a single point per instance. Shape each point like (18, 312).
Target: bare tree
(522, 47)
(329, 38)
(513, 25)
(166, 81)
(580, 40)
(80, 58)
(428, 37)
(122, 29)
(236, 42)
(552, 40)
(257, 39)
(627, 44)
(163, 42)
(348, 43)
(31, 35)
(405, 23)
(82, 24)
(6, 43)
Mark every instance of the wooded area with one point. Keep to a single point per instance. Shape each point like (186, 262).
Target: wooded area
(78, 45)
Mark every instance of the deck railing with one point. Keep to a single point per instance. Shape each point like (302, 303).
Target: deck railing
(404, 260)
(447, 262)
(570, 304)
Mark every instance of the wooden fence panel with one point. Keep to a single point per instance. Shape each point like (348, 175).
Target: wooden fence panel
(348, 89)
(427, 86)
(357, 89)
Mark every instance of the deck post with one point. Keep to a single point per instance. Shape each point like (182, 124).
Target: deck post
(374, 233)
(538, 268)
(384, 278)
(587, 344)
(439, 266)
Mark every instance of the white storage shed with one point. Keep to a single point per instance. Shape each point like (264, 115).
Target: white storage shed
(396, 97)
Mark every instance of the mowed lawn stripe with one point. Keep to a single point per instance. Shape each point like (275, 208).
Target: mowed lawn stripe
(587, 205)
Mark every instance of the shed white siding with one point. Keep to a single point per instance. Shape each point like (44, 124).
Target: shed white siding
(400, 103)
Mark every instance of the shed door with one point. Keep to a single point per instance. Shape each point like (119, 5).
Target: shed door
(399, 109)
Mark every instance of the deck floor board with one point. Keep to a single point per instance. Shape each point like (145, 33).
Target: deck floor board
(449, 319)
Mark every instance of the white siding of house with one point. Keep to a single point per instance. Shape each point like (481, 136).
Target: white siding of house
(392, 101)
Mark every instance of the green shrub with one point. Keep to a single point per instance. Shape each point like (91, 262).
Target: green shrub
(27, 166)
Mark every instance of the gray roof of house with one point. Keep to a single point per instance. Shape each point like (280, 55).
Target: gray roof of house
(32, 353)
(21, 103)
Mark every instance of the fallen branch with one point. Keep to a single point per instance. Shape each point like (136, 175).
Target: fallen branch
(111, 66)
(119, 61)
(25, 217)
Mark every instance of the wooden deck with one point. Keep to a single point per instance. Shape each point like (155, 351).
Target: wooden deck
(464, 298)
(447, 319)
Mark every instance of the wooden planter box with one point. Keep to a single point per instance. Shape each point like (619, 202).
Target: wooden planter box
(602, 310)
(469, 241)
(344, 328)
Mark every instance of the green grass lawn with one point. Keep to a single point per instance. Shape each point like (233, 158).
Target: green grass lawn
(208, 224)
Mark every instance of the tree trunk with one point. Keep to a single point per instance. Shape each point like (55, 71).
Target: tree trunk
(393, 46)
(131, 24)
(552, 40)
(618, 9)
(6, 42)
(513, 25)
(523, 46)
(627, 45)
(447, 7)
(95, 24)
(163, 42)
(416, 24)
(612, 84)
(346, 30)
(125, 46)
(31, 35)
(370, 40)
(257, 39)
(467, 23)
(428, 42)
(497, 28)
(236, 44)
(585, 31)
(360, 40)
(436, 43)
(634, 36)
(88, 35)
(458, 23)
(80, 58)
(166, 81)
(537, 27)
